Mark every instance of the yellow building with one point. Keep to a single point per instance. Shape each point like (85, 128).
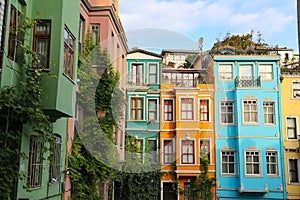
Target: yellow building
(187, 131)
(290, 101)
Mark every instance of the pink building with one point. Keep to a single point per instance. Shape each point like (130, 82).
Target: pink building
(101, 19)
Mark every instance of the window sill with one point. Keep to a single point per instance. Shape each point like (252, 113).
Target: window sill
(229, 175)
(250, 124)
(273, 176)
(253, 176)
(296, 184)
(270, 124)
(69, 78)
(36, 188)
(227, 124)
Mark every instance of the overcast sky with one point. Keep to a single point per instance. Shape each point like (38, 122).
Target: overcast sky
(180, 23)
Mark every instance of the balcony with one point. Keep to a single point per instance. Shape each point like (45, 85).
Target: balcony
(136, 81)
(247, 81)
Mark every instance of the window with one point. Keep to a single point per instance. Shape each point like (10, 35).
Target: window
(225, 72)
(95, 31)
(187, 149)
(250, 111)
(152, 113)
(296, 89)
(226, 112)
(252, 163)
(13, 34)
(294, 170)
(69, 53)
(168, 151)
(137, 72)
(228, 162)
(136, 111)
(152, 150)
(152, 73)
(291, 127)
(41, 43)
(55, 162)
(139, 147)
(35, 164)
(187, 191)
(265, 71)
(272, 162)
(168, 110)
(269, 115)
(205, 149)
(187, 109)
(204, 110)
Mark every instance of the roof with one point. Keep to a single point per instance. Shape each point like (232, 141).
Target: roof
(179, 51)
(144, 52)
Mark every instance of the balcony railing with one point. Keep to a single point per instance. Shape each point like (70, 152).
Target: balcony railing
(136, 80)
(247, 81)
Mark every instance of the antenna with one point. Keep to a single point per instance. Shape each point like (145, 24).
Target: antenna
(200, 43)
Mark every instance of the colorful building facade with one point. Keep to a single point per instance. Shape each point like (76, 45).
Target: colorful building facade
(53, 38)
(290, 102)
(249, 149)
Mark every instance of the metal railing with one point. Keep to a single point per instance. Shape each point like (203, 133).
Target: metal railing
(247, 81)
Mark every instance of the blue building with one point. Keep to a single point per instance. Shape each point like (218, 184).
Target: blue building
(248, 123)
(142, 116)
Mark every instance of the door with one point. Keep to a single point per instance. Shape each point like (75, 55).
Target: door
(169, 191)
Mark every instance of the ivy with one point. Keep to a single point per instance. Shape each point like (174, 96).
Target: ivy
(19, 105)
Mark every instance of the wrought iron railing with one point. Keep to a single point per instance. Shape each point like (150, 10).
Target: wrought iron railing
(247, 81)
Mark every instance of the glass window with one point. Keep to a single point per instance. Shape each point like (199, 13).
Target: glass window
(188, 154)
(227, 112)
(225, 72)
(168, 110)
(252, 163)
(136, 105)
(69, 53)
(152, 113)
(55, 161)
(168, 151)
(95, 31)
(269, 114)
(205, 149)
(265, 71)
(272, 162)
(187, 109)
(204, 110)
(296, 89)
(250, 111)
(139, 147)
(152, 150)
(137, 72)
(13, 33)
(228, 162)
(294, 170)
(41, 43)
(152, 73)
(35, 165)
(291, 127)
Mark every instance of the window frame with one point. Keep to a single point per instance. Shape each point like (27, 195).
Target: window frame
(153, 111)
(13, 36)
(168, 112)
(293, 88)
(297, 171)
(268, 163)
(35, 162)
(206, 112)
(55, 164)
(140, 149)
(296, 128)
(137, 79)
(252, 163)
(168, 154)
(262, 73)
(220, 65)
(192, 111)
(269, 113)
(228, 163)
(95, 37)
(69, 51)
(136, 109)
(188, 154)
(153, 74)
(250, 111)
(36, 37)
(226, 113)
(209, 153)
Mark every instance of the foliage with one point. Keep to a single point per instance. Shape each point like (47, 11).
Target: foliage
(239, 44)
(19, 105)
(189, 60)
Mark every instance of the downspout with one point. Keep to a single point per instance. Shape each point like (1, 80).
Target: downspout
(280, 133)
(3, 35)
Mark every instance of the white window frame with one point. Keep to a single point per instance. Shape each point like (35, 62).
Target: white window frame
(134, 78)
(149, 73)
(253, 163)
(228, 163)
(226, 113)
(163, 109)
(194, 152)
(298, 171)
(261, 73)
(95, 33)
(267, 113)
(130, 106)
(193, 109)
(272, 163)
(294, 88)
(156, 109)
(251, 111)
(296, 129)
(225, 72)
(163, 150)
(208, 110)
(209, 149)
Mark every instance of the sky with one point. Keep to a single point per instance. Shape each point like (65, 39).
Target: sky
(178, 24)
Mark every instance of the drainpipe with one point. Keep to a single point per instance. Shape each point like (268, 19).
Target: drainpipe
(3, 35)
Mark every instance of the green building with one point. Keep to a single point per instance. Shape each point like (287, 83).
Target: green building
(54, 40)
